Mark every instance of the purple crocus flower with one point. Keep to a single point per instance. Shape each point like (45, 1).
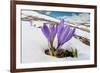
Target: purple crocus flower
(64, 33)
(49, 32)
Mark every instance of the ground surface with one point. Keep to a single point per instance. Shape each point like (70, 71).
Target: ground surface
(34, 43)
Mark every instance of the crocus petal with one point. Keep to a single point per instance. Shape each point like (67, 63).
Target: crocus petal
(55, 30)
(62, 22)
(52, 31)
(64, 34)
(51, 27)
(60, 28)
(46, 32)
(69, 34)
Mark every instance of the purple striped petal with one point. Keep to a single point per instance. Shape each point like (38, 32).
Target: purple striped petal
(51, 27)
(64, 34)
(60, 28)
(69, 34)
(46, 32)
(53, 31)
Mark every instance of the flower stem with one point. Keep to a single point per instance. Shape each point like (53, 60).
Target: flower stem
(52, 48)
(50, 52)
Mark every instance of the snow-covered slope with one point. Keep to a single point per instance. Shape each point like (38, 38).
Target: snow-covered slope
(34, 43)
(38, 15)
(33, 14)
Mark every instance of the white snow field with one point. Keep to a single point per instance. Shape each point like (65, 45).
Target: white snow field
(34, 42)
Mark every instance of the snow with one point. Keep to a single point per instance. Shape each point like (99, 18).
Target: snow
(81, 18)
(38, 15)
(82, 33)
(34, 43)
(45, 17)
